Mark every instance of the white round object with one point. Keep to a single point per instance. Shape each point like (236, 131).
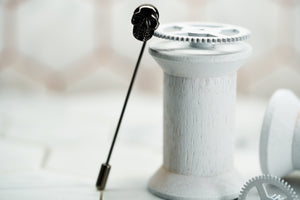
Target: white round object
(278, 150)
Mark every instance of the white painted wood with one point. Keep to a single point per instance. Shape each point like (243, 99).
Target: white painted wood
(280, 135)
(199, 121)
(199, 109)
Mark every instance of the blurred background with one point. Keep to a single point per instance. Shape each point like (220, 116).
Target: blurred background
(65, 66)
(86, 46)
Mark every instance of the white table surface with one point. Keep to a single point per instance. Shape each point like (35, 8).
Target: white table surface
(51, 147)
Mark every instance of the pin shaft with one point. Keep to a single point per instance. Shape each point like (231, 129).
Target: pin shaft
(105, 168)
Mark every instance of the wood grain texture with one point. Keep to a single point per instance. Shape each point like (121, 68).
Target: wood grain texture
(199, 124)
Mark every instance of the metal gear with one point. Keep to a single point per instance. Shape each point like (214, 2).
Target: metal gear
(283, 190)
(196, 32)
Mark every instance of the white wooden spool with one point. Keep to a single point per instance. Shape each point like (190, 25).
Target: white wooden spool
(280, 135)
(199, 116)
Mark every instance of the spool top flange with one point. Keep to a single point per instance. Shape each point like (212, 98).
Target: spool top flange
(202, 48)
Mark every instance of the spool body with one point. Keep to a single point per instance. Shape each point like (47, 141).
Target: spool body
(199, 115)
(194, 117)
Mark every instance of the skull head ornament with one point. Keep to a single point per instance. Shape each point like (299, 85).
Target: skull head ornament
(145, 22)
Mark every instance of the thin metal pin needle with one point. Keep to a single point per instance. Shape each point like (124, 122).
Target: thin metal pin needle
(143, 31)
(105, 168)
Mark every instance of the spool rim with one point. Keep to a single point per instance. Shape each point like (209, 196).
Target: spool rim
(277, 133)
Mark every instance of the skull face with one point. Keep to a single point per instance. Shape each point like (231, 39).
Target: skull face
(145, 22)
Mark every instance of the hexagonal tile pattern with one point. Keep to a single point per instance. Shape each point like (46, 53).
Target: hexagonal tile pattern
(19, 156)
(39, 178)
(139, 192)
(297, 31)
(56, 32)
(102, 79)
(85, 161)
(49, 193)
(10, 79)
(1, 26)
(42, 184)
(52, 120)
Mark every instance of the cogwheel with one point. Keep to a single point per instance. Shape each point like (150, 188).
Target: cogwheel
(197, 32)
(283, 190)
